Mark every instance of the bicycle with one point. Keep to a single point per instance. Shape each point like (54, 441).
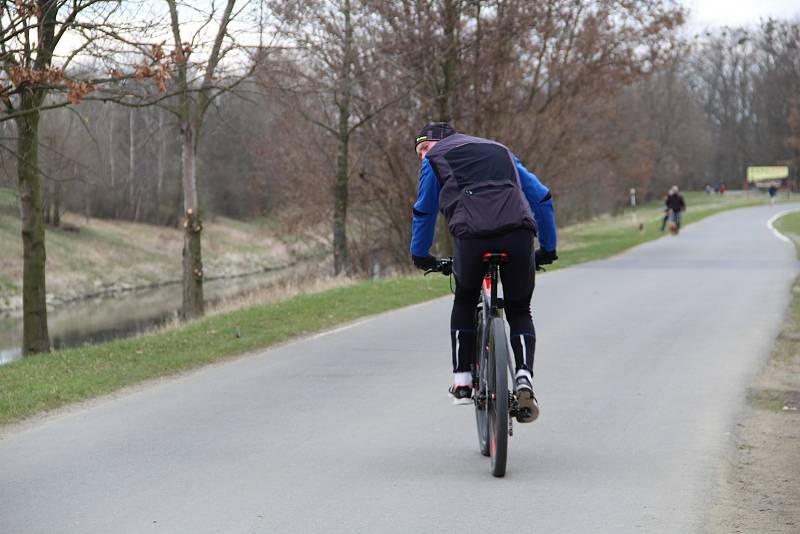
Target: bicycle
(674, 220)
(495, 405)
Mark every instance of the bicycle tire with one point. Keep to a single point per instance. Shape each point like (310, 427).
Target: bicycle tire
(481, 413)
(497, 403)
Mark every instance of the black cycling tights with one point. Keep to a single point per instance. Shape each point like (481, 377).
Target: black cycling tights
(518, 282)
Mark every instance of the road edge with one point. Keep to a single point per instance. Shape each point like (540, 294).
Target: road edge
(757, 482)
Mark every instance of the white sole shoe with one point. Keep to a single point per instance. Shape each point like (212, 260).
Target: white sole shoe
(528, 406)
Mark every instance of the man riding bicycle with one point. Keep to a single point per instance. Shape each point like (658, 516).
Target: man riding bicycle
(492, 203)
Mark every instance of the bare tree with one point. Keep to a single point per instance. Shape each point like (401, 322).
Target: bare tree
(543, 77)
(35, 78)
(329, 79)
(198, 84)
(747, 80)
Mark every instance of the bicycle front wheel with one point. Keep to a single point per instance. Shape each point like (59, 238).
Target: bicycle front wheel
(497, 401)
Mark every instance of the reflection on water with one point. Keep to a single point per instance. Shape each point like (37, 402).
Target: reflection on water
(115, 317)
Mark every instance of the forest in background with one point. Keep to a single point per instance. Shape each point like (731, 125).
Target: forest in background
(304, 111)
(593, 106)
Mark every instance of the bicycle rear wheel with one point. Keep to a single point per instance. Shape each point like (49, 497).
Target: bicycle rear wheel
(482, 390)
(497, 399)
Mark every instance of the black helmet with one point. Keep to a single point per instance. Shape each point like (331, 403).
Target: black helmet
(433, 131)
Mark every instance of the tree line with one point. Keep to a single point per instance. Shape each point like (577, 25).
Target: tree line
(305, 111)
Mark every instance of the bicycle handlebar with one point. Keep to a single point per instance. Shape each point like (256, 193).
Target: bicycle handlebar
(443, 265)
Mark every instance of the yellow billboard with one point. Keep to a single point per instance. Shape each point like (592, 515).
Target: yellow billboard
(757, 174)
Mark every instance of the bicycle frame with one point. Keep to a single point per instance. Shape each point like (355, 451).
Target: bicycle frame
(489, 307)
(492, 306)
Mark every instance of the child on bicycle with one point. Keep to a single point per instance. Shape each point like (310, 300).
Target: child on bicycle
(492, 203)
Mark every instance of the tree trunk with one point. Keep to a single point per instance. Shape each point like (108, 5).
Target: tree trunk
(340, 259)
(191, 113)
(137, 211)
(35, 337)
(87, 203)
(111, 165)
(476, 71)
(160, 157)
(445, 104)
(193, 227)
(47, 198)
(57, 205)
(131, 165)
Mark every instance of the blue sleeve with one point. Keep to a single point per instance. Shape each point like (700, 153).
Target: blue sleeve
(541, 204)
(423, 225)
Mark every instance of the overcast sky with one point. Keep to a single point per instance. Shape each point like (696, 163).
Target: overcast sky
(739, 12)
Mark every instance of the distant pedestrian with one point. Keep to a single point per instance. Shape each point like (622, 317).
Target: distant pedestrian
(722, 188)
(674, 206)
(773, 194)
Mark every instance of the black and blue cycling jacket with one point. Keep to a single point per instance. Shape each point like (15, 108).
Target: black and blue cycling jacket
(483, 190)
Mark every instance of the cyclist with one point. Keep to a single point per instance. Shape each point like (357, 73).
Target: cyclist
(491, 203)
(674, 205)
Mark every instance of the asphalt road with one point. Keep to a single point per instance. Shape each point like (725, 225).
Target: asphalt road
(642, 370)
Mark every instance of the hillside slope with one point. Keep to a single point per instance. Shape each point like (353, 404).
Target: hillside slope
(89, 256)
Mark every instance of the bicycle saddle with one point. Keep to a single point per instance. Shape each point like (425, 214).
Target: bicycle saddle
(496, 257)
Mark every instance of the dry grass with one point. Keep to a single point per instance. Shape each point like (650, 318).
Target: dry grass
(94, 255)
(306, 279)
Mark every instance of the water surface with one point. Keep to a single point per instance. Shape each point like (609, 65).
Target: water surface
(124, 315)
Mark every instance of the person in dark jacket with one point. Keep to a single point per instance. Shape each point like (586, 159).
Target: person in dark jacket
(491, 203)
(773, 194)
(675, 205)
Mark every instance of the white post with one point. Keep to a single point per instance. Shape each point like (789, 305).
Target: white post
(633, 207)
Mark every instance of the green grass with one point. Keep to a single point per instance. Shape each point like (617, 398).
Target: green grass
(787, 347)
(789, 224)
(47, 381)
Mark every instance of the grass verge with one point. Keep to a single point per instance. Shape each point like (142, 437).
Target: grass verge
(759, 483)
(790, 224)
(47, 381)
